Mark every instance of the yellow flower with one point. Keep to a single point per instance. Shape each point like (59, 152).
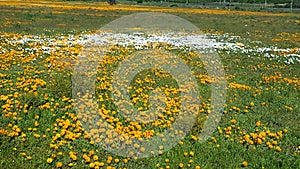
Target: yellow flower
(142, 149)
(125, 160)
(95, 157)
(233, 121)
(181, 165)
(91, 165)
(91, 153)
(259, 141)
(245, 163)
(270, 146)
(73, 157)
(37, 135)
(277, 148)
(195, 138)
(101, 164)
(49, 160)
(86, 158)
(59, 164)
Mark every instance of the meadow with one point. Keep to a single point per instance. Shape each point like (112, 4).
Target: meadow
(39, 128)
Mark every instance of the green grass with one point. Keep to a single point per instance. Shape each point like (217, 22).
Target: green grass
(229, 154)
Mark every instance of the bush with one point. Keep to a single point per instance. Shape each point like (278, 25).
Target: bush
(173, 5)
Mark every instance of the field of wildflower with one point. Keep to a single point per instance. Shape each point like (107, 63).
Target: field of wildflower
(40, 43)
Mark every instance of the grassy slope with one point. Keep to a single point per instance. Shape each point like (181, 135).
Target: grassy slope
(229, 155)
